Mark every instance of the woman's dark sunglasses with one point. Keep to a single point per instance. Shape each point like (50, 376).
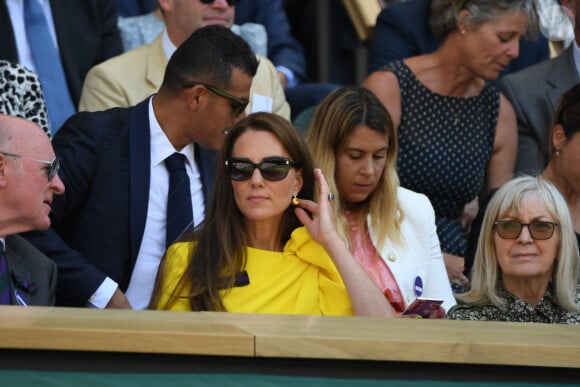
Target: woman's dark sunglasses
(238, 104)
(230, 2)
(539, 230)
(271, 168)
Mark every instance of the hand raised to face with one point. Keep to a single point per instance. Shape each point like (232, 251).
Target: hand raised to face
(321, 225)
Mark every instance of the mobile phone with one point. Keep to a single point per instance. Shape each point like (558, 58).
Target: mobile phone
(423, 306)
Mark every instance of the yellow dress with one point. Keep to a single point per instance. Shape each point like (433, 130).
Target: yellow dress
(302, 279)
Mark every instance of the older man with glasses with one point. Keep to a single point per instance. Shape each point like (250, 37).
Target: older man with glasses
(138, 178)
(28, 183)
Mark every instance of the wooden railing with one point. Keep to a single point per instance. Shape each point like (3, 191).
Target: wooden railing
(48, 332)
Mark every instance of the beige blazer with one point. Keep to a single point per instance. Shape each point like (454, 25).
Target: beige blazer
(128, 79)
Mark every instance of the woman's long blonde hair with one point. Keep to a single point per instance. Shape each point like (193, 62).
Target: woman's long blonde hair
(338, 115)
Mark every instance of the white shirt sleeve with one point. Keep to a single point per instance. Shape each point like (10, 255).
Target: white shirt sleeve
(103, 294)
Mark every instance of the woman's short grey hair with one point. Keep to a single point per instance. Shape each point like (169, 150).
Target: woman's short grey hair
(444, 14)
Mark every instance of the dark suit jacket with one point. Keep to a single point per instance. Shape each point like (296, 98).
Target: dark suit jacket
(283, 49)
(98, 223)
(136, 7)
(29, 269)
(534, 94)
(87, 34)
(396, 38)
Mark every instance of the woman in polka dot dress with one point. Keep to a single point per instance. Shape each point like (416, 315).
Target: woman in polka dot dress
(457, 134)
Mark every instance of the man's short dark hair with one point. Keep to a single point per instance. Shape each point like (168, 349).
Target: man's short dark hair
(209, 55)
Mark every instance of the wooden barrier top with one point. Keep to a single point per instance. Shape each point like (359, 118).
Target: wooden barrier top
(283, 336)
(411, 340)
(118, 330)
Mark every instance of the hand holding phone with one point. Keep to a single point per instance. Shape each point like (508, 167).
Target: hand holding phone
(423, 307)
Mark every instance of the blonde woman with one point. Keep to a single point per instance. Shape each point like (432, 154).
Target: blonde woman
(526, 264)
(390, 230)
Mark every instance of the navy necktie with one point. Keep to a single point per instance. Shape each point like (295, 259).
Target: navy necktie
(179, 207)
(48, 65)
(4, 279)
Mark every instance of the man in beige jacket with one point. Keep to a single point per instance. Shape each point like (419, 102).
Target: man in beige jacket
(127, 79)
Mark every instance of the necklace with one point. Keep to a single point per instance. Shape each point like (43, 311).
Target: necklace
(455, 113)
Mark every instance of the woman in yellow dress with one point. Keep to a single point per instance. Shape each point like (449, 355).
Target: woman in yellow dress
(266, 246)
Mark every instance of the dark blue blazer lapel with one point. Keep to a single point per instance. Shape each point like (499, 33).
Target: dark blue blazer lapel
(206, 163)
(140, 161)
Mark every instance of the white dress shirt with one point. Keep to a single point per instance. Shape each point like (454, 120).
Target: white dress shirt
(153, 243)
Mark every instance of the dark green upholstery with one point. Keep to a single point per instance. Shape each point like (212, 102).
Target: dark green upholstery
(302, 120)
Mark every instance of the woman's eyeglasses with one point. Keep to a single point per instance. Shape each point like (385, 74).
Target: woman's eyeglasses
(271, 168)
(51, 170)
(230, 2)
(238, 104)
(539, 230)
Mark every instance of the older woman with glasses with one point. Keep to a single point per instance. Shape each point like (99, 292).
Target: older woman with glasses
(526, 264)
(251, 254)
(562, 170)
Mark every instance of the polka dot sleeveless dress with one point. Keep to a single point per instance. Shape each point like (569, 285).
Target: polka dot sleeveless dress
(445, 144)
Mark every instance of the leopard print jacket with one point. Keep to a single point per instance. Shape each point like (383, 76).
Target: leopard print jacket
(21, 95)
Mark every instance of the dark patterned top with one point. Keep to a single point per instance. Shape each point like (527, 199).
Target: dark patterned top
(21, 94)
(445, 144)
(547, 311)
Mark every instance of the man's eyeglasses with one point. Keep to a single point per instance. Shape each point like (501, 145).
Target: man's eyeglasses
(539, 230)
(51, 170)
(230, 2)
(271, 168)
(238, 104)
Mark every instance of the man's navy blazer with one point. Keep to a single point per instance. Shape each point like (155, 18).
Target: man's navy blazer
(98, 224)
(283, 48)
(396, 38)
(86, 32)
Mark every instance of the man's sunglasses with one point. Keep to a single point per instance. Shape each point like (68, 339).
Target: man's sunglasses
(511, 229)
(230, 2)
(51, 170)
(271, 168)
(238, 104)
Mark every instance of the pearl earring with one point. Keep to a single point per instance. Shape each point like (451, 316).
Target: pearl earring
(557, 152)
(295, 199)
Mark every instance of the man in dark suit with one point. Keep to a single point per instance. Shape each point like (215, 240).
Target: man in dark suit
(86, 32)
(285, 52)
(109, 229)
(534, 94)
(28, 181)
(396, 38)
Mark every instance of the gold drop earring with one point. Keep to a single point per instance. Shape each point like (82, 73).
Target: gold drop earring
(295, 199)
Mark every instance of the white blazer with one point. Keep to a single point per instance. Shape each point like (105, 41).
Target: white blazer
(420, 256)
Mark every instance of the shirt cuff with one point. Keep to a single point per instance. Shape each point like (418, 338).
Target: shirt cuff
(291, 80)
(103, 295)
